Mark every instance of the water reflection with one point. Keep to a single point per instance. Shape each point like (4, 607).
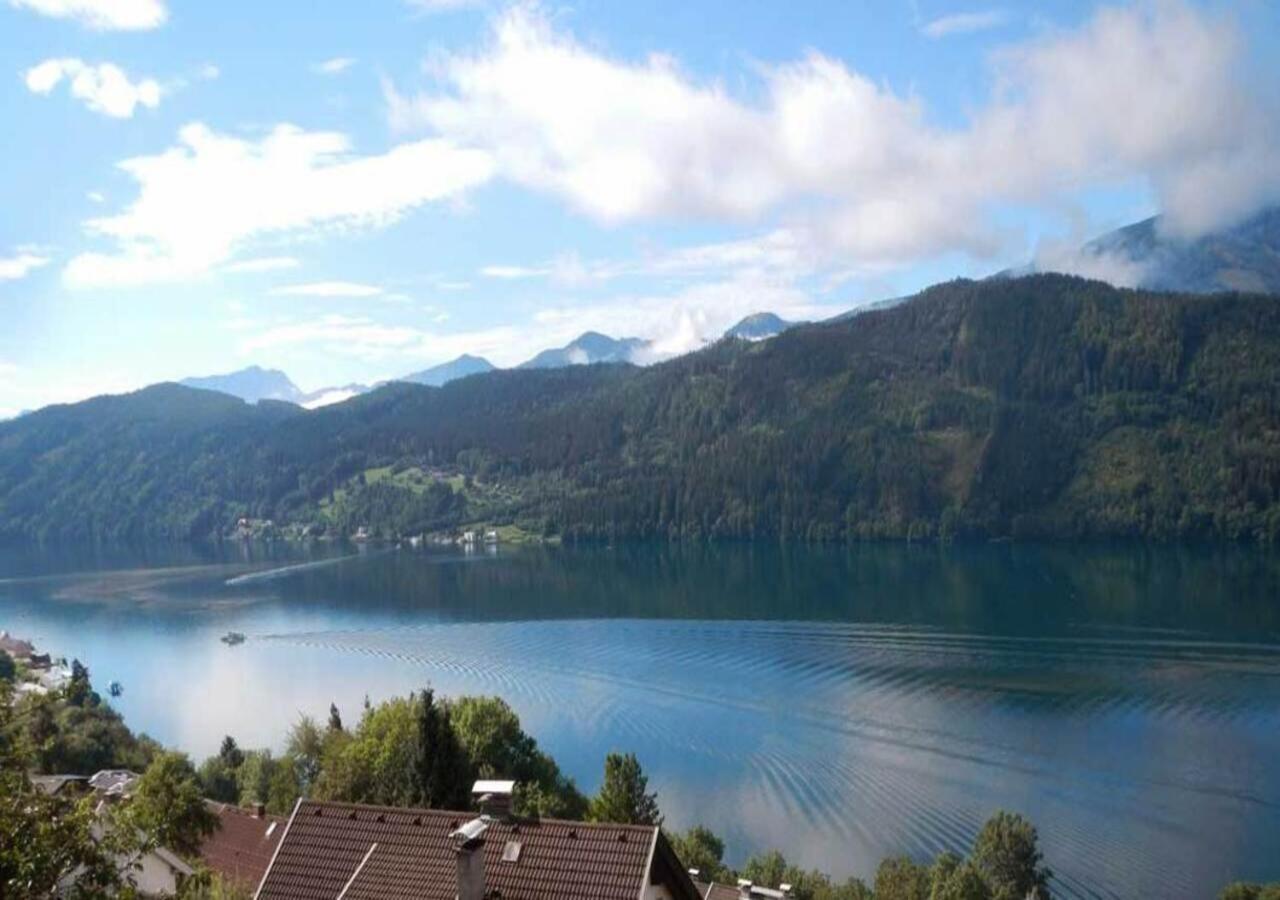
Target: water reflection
(841, 703)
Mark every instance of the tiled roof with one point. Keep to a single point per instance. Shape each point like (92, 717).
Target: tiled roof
(113, 782)
(327, 847)
(715, 891)
(242, 846)
(15, 647)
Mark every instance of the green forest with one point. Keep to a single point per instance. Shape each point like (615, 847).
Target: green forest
(1039, 407)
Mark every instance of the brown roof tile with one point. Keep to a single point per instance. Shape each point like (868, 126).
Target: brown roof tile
(325, 844)
(242, 847)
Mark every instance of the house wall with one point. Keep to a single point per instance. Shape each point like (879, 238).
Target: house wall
(154, 878)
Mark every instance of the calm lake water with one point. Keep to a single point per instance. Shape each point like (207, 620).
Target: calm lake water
(840, 704)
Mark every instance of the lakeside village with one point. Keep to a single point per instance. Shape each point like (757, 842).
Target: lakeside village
(422, 798)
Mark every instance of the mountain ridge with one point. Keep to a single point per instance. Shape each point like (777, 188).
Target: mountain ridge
(1046, 406)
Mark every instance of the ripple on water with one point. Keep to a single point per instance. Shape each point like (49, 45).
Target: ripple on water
(888, 739)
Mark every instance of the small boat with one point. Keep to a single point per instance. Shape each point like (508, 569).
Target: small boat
(231, 638)
(115, 689)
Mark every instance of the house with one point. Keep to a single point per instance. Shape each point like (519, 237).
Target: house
(159, 873)
(16, 647)
(113, 784)
(241, 847)
(55, 785)
(356, 852)
(744, 890)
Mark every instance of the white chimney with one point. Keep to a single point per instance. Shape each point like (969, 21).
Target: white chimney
(744, 889)
(493, 797)
(470, 858)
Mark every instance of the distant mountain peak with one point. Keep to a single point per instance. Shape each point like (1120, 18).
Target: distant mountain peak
(250, 384)
(759, 326)
(438, 376)
(1242, 257)
(587, 348)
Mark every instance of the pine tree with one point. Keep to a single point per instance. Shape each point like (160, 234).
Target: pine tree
(443, 770)
(624, 798)
(335, 720)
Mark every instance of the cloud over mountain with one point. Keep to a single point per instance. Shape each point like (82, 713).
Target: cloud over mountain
(1153, 91)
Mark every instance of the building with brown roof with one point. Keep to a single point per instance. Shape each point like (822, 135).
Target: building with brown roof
(344, 851)
(241, 847)
(745, 890)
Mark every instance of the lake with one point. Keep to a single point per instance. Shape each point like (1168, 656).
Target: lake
(841, 704)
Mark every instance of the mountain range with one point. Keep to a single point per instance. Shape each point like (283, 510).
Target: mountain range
(1043, 406)
(254, 383)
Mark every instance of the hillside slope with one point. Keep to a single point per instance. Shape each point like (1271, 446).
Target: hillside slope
(1047, 406)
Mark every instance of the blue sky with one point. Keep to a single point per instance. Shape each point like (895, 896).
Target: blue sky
(352, 191)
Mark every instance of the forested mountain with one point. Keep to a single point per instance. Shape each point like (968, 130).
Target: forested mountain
(1046, 405)
(250, 385)
(438, 376)
(587, 348)
(759, 326)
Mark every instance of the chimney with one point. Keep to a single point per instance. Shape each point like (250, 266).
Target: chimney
(470, 859)
(786, 890)
(493, 798)
(259, 810)
(744, 889)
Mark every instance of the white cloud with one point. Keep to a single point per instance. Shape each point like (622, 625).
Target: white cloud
(514, 273)
(103, 15)
(209, 72)
(329, 289)
(104, 88)
(437, 6)
(203, 200)
(860, 170)
(335, 66)
(965, 23)
(14, 268)
(96, 197)
(263, 264)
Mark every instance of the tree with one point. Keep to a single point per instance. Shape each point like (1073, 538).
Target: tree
(1243, 890)
(1007, 854)
(699, 848)
(253, 778)
(497, 747)
(624, 796)
(335, 720)
(230, 753)
(167, 805)
(285, 786)
(768, 869)
(45, 839)
(8, 668)
(375, 762)
(306, 745)
(78, 691)
(952, 878)
(899, 878)
(217, 781)
(443, 770)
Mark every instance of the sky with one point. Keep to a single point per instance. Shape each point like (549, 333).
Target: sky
(354, 191)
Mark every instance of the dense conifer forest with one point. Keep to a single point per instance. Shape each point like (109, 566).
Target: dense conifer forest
(1045, 406)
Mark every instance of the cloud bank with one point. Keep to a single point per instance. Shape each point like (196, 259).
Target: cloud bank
(861, 170)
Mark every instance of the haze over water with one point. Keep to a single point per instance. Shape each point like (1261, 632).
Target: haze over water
(840, 704)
